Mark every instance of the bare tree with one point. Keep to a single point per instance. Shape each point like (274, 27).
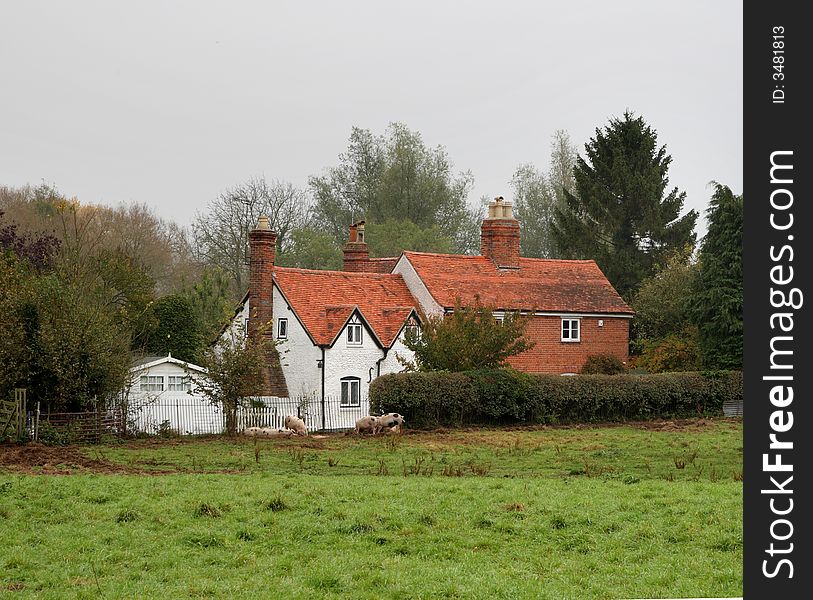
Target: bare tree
(221, 233)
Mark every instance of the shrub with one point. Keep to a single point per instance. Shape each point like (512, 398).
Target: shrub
(503, 396)
(603, 364)
(678, 351)
(54, 436)
(425, 399)
(501, 393)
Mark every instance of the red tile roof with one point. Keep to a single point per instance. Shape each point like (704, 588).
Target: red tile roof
(325, 300)
(574, 286)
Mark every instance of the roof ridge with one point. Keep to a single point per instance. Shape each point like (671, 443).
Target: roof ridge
(444, 254)
(327, 272)
(528, 258)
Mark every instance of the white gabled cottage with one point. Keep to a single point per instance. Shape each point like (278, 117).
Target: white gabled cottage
(335, 331)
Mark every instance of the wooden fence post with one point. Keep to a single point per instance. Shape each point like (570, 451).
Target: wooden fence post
(20, 396)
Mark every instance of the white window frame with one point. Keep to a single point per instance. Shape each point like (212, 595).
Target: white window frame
(347, 399)
(184, 385)
(570, 337)
(282, 324)
(151, 383)
(354, 334)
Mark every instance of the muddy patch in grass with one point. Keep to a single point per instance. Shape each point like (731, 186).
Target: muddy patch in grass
(49, 460)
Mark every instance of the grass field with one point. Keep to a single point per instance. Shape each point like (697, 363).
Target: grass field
(602, 512)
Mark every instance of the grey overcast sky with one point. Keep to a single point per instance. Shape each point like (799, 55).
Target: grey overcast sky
(169, 103)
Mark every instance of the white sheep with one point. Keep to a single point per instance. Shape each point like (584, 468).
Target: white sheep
(274, 432)
(297, 424)
(390, 421)
(366, 425)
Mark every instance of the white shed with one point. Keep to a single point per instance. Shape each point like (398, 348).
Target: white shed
(160, 398)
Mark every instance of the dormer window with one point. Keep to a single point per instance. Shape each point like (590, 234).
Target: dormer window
(354, 332)
(413, 330)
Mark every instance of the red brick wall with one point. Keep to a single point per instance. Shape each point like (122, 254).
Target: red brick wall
(551, 355)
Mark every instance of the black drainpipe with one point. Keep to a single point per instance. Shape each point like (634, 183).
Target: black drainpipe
(378, 363)
(323, 388)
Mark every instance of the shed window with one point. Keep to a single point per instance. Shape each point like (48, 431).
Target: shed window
(282, 329)
(351, 388)
(152, 383)
(570, 330)
(178, 383)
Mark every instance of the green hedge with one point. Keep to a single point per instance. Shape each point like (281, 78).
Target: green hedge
(504, 396)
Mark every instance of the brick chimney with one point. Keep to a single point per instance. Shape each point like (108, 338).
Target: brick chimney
(356, 253)
(263, 249)
(499, 235)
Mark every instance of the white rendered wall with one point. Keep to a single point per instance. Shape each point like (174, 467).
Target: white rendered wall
(297, 354)
(417, 287)
(391, 363)
(343, 360)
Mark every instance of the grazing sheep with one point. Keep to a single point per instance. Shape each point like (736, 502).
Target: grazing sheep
(366, 425)
(390, 421)
(297, 424)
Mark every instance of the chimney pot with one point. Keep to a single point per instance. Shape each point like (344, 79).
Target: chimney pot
(355, 251)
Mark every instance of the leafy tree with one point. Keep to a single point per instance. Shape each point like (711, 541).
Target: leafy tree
(536, 195)
(210, 300)
(234, 372)
(395, 176)
(78, 352)
(621, 214)
(391, 237)
(221, 234)
(663, 304)
(311, 249)
(676, 351)
(533, 206)
(16, 292)
(718, 301)
(468, 338)
(67, 311)
(177, 329)
(562, 163)
(37, 250)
